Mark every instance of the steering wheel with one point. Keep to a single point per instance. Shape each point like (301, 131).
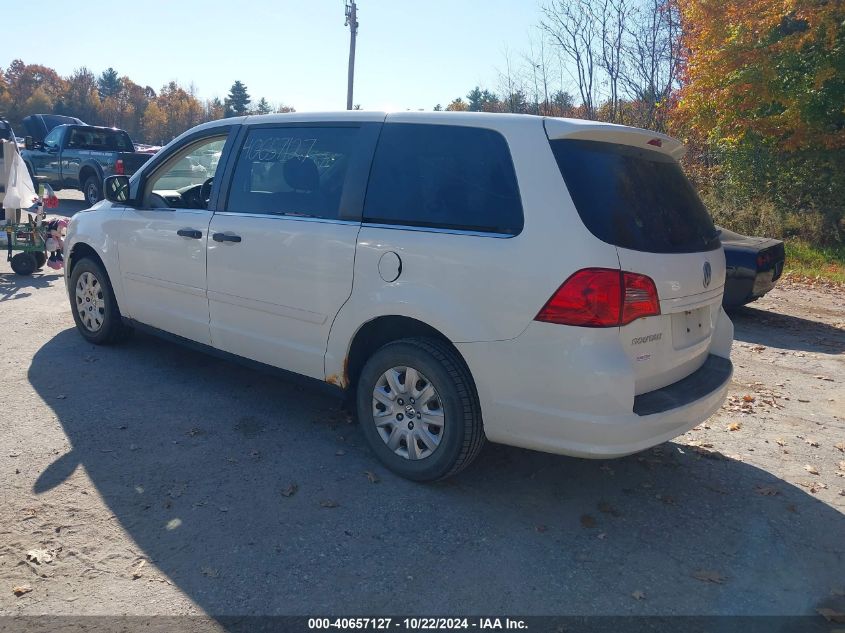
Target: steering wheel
(205, 192)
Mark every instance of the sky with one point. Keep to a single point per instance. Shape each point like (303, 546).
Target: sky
(409, 55)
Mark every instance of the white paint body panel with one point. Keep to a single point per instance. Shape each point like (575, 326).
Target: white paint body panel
(163, 274)
(273, 296)
(294, 293)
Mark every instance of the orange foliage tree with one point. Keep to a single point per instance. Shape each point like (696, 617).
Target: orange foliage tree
(770, 69)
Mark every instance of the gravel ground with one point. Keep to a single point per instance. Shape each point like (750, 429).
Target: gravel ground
(149, 479)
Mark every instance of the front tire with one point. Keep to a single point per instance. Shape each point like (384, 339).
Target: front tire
(419, 410)
(93, 190)
(94, 307)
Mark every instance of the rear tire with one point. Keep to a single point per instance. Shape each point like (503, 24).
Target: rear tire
(24, 264)
(93, 190)
(460, 437)
(94, 307)
(40, 260)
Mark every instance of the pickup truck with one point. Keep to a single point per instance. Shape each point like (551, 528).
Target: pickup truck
(81, 157)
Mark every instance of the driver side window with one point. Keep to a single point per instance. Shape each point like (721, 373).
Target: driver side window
(52, 139)
(184, 181)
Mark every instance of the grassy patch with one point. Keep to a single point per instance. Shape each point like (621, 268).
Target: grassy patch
(825, 262)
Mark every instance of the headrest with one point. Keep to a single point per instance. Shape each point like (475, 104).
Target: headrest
(301, 174)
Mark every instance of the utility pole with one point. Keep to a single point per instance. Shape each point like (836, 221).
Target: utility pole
(352, 23)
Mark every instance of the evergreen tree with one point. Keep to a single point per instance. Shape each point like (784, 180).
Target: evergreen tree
(263, 107)
(108, 85)
(238, 100)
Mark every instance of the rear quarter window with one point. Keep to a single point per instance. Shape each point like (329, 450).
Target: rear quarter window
(634, 198)
(443, 176)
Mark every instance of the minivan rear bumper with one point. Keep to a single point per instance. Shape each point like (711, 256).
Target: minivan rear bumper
(555, 390)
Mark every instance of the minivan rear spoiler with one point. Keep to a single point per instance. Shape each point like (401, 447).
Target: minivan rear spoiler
(557, 128)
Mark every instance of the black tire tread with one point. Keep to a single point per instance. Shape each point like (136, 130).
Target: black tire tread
(474, 437)
(117, 331)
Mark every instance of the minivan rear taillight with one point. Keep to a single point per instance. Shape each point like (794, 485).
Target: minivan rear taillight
(601, 297)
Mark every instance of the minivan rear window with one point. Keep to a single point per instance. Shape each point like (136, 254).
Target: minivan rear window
(634, 198)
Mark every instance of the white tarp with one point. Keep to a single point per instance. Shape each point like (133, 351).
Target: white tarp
(20, 191)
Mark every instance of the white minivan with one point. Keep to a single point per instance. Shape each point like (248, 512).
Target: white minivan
(546, 283)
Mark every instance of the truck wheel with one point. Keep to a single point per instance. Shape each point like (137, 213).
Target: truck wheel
(418, 409)
(93, 304)
(24, 264)
(40, 260)
(93, 190)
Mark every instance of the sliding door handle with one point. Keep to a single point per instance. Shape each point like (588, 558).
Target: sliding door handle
(225, 237)
(192, 233)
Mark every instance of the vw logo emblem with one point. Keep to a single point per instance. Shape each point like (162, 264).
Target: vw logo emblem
(708, 274)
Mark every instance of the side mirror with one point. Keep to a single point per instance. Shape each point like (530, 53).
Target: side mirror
(28, 142)
(116, 189)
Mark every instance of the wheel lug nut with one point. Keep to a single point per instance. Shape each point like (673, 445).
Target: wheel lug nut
(412, 401)
(419, 416)
(401, 402)
(400, 417)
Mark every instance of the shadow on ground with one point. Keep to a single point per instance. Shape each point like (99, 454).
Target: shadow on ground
(13, 286)
(191, 454)
(762, 327)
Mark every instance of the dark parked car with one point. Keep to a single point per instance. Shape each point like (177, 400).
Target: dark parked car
(754, 264)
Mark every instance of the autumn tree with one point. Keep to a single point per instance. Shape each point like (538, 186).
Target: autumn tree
(458, 105)
(764, 96)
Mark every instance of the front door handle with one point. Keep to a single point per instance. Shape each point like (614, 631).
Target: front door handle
(192, 233)
(224, 237)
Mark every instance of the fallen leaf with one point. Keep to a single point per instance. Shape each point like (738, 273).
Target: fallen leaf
(290, 490)
(210, 572)
(706, 575)
(61, 396)
(329, 503)
(832, 615)
(588, 521)
(767, 491)
(840, 447)
(841, 465)
(372, 477)
(827, 378)
(812, 442)
(780, 441)
(137, 572)
(606, 508)
(21, 590)
(602, 536)
(811, 469)
(638, 595)
(39, 556)
(340, 452)
(735, 426)
(748, 398)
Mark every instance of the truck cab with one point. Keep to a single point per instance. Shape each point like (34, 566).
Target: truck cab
(81, 157)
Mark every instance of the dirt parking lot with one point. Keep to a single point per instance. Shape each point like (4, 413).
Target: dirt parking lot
(149, 479)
